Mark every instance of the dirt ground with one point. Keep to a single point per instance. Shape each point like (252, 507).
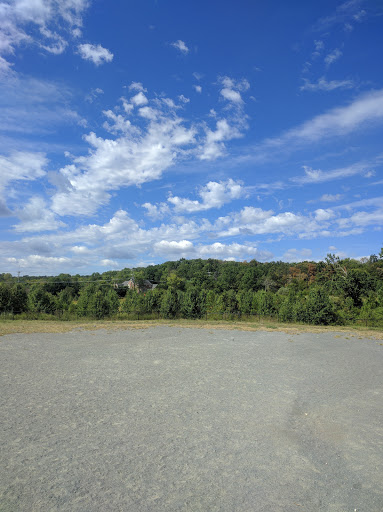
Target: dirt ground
(182, 419)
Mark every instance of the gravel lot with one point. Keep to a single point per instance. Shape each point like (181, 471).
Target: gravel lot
(171, 419)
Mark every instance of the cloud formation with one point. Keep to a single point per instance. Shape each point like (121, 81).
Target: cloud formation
(365, 110)
(53, 21)
(181, 46)
(20, 166)
(323, 85)
(333, 56)
(95, 53)
(231, 89)
(213, 195)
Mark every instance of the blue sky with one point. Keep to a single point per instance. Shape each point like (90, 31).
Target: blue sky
(135, 132)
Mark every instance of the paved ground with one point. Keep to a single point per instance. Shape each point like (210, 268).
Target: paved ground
(170, 419)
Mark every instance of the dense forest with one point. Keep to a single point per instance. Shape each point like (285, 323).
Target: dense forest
(334, 291)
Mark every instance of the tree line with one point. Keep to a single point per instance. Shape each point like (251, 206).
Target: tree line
(333, 291)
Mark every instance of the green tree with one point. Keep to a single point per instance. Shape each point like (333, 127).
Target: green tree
(170, 303)
(175, 282)
(19, 299)
(190, 306)
(98, 305)
(266, 303)
(227, 302)
(5, 298)
(113, 300)
(65, 298)
(357, 283)
(85, 296)
(40, 301)
(286, 309)
(319, 309)
(245, 302)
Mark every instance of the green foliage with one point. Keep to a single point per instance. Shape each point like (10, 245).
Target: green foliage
(65, 298)
(19, 299)
(175, 282)
(170, 303)
(227, 302)
(190, 305)
(98, 305)
(287, 307)
(266, 303)
(357, 283)
(335, 290)
(40, 301)
(84, 299)
(318, 307)
(113, 302)
(245, 302)
(5, 298)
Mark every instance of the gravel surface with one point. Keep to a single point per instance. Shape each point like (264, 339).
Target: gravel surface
(171, 419)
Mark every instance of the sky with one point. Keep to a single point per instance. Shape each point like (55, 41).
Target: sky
(135, 132)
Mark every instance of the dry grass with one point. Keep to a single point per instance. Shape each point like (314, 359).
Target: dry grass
(52, 326)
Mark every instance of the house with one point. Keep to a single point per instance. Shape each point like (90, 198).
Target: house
(144, 286)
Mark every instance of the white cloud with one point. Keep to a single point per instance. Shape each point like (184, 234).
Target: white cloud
(137, 86)
(20, 166)
(118, 123)
(109, 263)
(345, 13)
(231, 95)
(149, 113)
(96, 53)
(362, 112)
(367, 218)
(333, 56)
(318, 176)
(183, 98)
(251, 221)
(214, 146)
(5, 68)
(31, 106)
(323, 85)
(330, 198)
(319, 46)
(55, 43)
(198, 88)
(233, 252)
(360, 15)
(80, 249)
(372, 201)
(19, 18)
(231, 89)
(139, 99)
(296, 255)
(321, 214)
(156, 212)
(35, 263)
(230, 127)
(35, 217)
(184, 247)
(214, 195)
(122, 238)
(136, 156)
(181, 46)
(93, 95)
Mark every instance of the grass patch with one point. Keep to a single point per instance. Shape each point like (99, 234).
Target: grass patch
(56, 326)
